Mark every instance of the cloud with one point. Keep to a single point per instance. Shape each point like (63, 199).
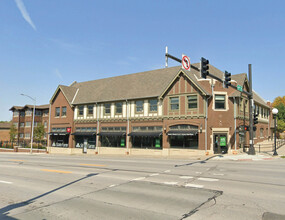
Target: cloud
(58, 74)
(25, 14)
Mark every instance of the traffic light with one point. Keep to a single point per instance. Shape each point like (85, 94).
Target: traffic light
(227, 79)
(246, 128)
(204, 67)
(255, 119)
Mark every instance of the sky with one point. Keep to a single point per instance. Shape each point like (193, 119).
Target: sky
(44, 44)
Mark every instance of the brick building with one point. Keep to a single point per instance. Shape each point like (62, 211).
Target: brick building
(5, 131)
(167, 111)
(23, 117)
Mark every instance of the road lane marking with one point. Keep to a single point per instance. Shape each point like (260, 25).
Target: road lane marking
(170, 183)
(112, 185)
(166, 171)
(198, 172)
(139, 178)
(17, 160)
(218, 174)
(1, 181)
(93, 165)
(208, 179)
(186, 177)
(194, 185)
(154, 174)
(56, 171)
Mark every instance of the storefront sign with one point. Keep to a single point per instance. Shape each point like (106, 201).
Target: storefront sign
(223, 141)
(157, 142)
(122, 142)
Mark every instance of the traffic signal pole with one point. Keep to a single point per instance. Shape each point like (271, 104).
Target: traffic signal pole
(251, 113)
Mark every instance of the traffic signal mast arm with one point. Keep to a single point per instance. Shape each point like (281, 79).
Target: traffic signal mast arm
(180, 61)
(209, 74)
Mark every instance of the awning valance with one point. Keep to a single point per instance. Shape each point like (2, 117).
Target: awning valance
(145, 134)
(181, 133)
(112, 133)
(58, 133)
(84, 133)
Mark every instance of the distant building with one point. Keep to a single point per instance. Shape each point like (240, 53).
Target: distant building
(4, 131)
(23, 117)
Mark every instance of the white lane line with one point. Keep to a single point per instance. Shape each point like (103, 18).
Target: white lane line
(194, 185)
(166, 171)
(139, 178)
(186, 177)
(208, 179)
(170, 183)
(218, 174)
(198, 172)
(154, 174)
(112, 185)
(1, 181)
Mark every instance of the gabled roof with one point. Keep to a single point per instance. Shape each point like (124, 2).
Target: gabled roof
(133, 86)
(258, 99)
(29, 106)
(190, 76)
(67, 91)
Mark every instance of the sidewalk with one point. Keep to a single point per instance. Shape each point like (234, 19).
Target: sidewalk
(258, 156)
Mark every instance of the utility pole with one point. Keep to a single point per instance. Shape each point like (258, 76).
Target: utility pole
(250, 97)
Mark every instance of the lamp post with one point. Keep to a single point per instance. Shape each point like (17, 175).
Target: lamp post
(275, 112)
(32, 136)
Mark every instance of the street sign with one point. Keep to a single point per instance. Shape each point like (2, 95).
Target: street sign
(185, 62)
(239, 88)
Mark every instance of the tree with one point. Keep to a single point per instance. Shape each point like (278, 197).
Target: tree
(278, 100)
(280, 126)
(39, 132)
(13, 132)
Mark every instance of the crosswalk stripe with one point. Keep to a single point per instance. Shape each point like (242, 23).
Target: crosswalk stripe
(194, 185)
(208, 179)
(1, 181)
(186, 177)
(170, 183)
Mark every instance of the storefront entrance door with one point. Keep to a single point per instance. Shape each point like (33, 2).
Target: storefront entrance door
(220, 144)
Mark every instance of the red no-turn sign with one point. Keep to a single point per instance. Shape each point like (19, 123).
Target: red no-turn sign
(185, 62)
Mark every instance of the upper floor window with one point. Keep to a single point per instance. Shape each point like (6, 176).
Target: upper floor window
(139, 106)
(28, 124)
(22, 124)
(38, 113)
(28, 113)
(22, 113)
(63, 111)
(57, 111)
(107, 108)
(80, 110)
(220, 102)
(21, 135)
(153, 105)
(27, 135)
(15, 114)
(45, 124)
(192, 102)
(45, 112)
(118, 106)
(36, 124)
(261, 132)
(174, 103)
(15, 124)
(246, 105)
(90, 109)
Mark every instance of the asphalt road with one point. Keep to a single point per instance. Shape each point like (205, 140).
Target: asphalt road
(96, 187)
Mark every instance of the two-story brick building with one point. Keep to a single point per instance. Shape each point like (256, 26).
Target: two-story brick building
(167, 111)
(23, 117)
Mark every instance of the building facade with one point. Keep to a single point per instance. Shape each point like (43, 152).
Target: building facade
(23, 118)
(167, 111)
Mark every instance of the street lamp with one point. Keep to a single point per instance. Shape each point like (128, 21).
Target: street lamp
(32, 136)
(275, 112)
